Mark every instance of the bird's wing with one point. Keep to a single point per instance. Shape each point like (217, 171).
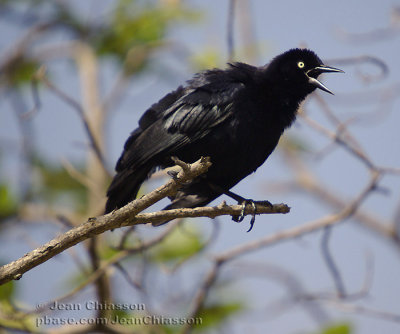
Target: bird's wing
(200, 110)
(193, 112)
(156, 111)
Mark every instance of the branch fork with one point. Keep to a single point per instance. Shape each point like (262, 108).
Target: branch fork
(130, 215)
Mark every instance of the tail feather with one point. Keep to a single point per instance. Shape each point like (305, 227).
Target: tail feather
(126, 184)
(124, 187)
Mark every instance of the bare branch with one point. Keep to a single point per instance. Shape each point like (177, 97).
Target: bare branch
(303, 229)
(330, 262)
(305, 180)
(94, 226)
(128, 216)
(358, 309)
(202, 293)
(339, 140)
(210, 212)
(236, 252)
(230, 30)
(365, 59)
(74, 104)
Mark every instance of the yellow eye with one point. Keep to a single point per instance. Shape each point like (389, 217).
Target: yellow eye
(300, 64)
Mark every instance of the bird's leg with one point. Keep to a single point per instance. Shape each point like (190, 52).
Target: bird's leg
(234, 196)
(229, 193)
(243, 201)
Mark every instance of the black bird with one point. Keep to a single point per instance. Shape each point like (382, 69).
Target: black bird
(235, 116)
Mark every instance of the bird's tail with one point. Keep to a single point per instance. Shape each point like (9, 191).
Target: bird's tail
(124, 187)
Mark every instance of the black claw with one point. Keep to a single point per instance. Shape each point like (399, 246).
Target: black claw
(240, 218)
(253, 216)
(252, 221)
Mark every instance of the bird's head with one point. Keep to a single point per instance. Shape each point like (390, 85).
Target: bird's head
(299, 70)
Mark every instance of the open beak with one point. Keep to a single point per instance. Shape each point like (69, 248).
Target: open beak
(319, 70)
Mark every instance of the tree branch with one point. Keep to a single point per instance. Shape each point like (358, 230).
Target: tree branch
(129, 216)
(312, 226)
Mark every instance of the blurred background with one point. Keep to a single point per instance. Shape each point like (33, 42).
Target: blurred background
(76, 76)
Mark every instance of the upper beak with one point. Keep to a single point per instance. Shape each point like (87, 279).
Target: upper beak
(317, 71)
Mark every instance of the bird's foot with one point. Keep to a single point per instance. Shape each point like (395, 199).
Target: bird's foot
(253, 203)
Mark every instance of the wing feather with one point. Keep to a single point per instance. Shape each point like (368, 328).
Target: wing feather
(181, 117)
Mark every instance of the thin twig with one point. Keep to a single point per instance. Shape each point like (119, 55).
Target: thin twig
(339, 140)
(230, 30)
(92, 277)
(330, 262)
(305, 180)
(292, 233)
(78, 108)
(202, 293)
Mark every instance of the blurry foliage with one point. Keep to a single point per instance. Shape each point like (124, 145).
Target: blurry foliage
(8, 204)
(131, 33)
(9, 316)
(57, 185)
(295, 144)
(215, 314)
(342, 328)
(107, 252)
(209, 58)
(19, 71)
(136, 28)
(7, 291)
(182, 243)
(136, 322)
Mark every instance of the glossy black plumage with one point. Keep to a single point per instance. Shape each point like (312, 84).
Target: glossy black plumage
(235, 116)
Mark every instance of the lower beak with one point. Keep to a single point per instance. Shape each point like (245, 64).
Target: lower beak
(318, 70)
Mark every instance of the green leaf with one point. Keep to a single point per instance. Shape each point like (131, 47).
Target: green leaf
(340, 328)
(7, 291)
(10, 317)
(209, 58)
(8, 204)
(20, 71)
(215, 314)
(57, 185)
(181, 243)
(107, 252)
(136, 29)
(16, 322)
